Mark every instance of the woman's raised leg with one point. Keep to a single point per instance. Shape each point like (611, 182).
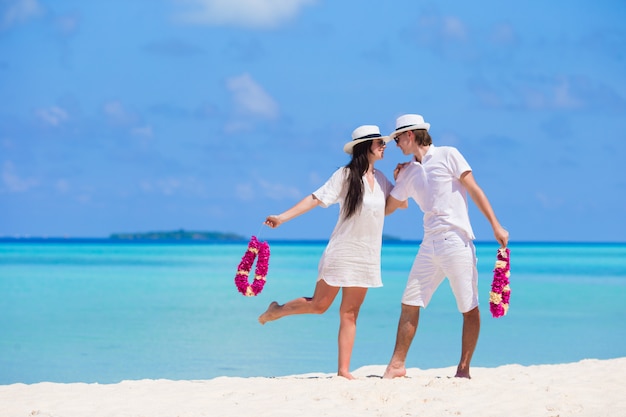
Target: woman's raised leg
(323, 297)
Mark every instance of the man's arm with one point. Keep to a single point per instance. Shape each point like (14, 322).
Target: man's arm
(481, 201)
(391, 206)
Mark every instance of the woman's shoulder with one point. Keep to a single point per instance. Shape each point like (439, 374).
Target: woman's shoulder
(341, 172)
(382, 179)
(380, 175)
(338, 176)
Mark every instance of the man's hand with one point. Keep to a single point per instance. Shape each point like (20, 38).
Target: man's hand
(399, 168)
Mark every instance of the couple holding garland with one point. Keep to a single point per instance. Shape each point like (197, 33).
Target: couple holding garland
(438, 179)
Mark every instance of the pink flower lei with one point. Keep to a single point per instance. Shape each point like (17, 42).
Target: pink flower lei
(241, 279)
(500, 289)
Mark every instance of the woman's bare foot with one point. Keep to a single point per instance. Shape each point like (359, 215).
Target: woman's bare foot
(394, 372)
(270, 313)
(346, 375)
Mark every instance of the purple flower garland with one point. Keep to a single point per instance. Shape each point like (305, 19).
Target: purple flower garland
(500, 289)
(243, 270)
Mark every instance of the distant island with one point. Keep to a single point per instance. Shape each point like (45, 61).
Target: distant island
(179, 235)
(199, 235)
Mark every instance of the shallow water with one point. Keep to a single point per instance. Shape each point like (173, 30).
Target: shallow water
(99, 311)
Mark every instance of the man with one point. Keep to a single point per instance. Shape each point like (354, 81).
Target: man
(438, 179)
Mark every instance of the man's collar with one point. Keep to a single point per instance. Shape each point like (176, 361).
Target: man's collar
(429, 154)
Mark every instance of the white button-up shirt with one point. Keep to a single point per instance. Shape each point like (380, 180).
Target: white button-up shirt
(436, 187)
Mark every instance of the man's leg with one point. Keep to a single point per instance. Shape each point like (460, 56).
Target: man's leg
(471, 329)
(460, 265)
(407, 326)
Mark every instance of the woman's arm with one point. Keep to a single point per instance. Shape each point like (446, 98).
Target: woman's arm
(307, 203)
(393, 204)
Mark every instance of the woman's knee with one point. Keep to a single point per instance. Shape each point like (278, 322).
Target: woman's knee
(320, 307)
(349, 317)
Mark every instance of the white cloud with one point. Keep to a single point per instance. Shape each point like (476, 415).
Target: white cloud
(83, 198)
(550, 94)
(62, 185)
(246, 13)
(485, 93)
(250, 98)
(7, 143)
(316, 179)
(53, 116)
(545, 93)
(446, 36)
(144, 132)
(245, 192)
(168, 186)
(547, 201)
(120, 116)
(503, 34)
(117, 113)
(173, 47)
(13, 182)
(174, 186)
(434, 30)
(280, 191)
(563, 96)
(19, 11)
(453, 28)
(67, 25)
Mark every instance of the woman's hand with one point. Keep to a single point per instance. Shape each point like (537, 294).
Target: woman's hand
(273, 221)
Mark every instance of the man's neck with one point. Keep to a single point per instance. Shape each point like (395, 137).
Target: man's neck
(421, 151)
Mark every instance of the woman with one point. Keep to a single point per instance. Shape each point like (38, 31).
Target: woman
(351, 260)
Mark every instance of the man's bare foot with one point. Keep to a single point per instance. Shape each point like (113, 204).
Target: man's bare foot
(462, 373)
(270, 313)
(346, 375)
(394, 372)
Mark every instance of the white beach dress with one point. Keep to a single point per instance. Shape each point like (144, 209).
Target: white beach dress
(352, 256)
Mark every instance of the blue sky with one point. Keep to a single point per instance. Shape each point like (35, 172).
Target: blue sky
(131, 116)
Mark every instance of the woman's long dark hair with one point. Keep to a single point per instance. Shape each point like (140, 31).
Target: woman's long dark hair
(357, 167)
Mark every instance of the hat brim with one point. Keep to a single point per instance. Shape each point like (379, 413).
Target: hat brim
(419, 126)
(347, 148)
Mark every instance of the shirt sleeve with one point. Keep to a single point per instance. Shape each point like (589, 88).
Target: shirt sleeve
(332, 191)
(384, 183)
(457, 162)
(402, 190)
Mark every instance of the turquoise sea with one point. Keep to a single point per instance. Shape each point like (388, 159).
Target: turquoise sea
(100, 311)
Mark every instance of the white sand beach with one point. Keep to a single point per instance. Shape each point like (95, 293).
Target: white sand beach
(590, 388)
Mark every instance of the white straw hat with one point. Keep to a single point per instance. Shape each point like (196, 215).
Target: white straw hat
(409, 122)
(363, 133)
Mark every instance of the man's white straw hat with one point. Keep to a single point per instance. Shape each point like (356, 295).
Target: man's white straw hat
(362, 134)
(408, 122)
